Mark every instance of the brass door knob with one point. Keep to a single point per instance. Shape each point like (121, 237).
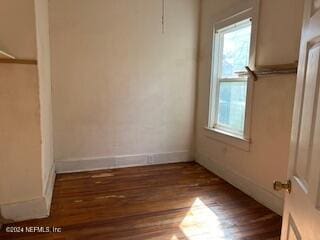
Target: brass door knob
(278, 186)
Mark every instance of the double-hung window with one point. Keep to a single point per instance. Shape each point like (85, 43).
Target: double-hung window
(229, 89)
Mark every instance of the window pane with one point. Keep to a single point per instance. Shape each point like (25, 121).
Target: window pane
(232, 105)
(235, 51)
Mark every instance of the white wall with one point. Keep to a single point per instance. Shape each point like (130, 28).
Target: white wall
(44, 70)
(267, 160)
(120, 86)
(19, 106)
(25, 124)
(20, 149)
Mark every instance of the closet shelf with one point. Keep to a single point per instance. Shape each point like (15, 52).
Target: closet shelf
(266, 70)
(8, 58)
(18, 61)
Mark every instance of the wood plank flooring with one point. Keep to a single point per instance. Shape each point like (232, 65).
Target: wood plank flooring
(161, 202)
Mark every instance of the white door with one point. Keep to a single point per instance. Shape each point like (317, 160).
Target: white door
(301, 219)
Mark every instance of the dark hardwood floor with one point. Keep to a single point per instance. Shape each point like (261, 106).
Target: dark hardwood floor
(163, 202)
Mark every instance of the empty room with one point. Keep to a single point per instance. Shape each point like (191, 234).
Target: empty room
(160, 119)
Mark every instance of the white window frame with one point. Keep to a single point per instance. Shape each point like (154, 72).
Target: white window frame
(234, 16)
(217, 79)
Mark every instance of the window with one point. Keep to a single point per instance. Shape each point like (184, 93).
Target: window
(229, 91)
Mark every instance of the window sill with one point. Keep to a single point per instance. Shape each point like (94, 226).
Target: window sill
(228, 138)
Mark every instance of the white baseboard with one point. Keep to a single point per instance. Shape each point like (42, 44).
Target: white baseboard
(30, 209)
(49, 187)
(260, 194)
(20, 211)
(90, 164)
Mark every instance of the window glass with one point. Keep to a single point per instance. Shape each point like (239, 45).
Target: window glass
(232, 105)
(235, 51)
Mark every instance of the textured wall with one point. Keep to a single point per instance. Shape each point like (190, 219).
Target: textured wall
(121, 87)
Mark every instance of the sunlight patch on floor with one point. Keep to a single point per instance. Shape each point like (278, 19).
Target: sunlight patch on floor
(201, 223)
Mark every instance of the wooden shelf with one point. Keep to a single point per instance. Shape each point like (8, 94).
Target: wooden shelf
(18, 61)
(8, 58)
(266, 70)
